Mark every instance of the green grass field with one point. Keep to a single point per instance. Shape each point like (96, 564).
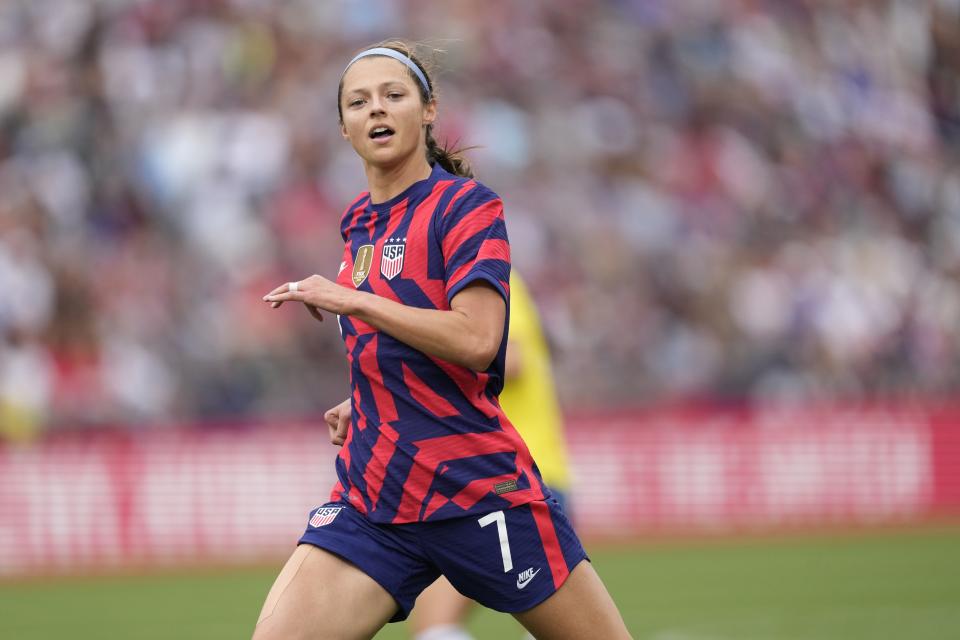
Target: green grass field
(882, 585)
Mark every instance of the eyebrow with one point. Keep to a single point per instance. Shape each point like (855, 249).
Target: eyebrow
(380, 86)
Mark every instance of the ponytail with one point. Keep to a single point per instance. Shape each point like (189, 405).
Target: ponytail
(450, 160)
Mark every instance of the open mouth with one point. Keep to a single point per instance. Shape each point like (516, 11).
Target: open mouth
(381, 133)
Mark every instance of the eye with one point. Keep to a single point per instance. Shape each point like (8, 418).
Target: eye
(394, 95)
(356, 102)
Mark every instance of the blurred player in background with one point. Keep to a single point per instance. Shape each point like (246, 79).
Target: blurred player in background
(433, 478)
(530, 401)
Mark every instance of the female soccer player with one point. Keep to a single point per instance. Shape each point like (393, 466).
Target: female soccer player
(433, 478)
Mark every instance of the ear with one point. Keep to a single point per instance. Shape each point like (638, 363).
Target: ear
(430, 112)
(343, 131)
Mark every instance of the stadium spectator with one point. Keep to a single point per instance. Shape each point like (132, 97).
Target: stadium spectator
(736, 199)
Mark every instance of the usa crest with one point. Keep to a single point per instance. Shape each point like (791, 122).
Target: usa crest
(391, 261)
(324, 516)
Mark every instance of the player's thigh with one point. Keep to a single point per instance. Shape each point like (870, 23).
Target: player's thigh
(439, 604)
(581, 609)
(320, 595)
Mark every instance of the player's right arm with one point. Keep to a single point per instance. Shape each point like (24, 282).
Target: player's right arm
(468, 334)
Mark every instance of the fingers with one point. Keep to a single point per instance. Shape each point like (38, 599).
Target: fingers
(284, 288)
(318, 293)
(282, 293)
(343, 424)
(338, 421)
(338, 434)
(283, 296)
(334, 418)
(314, 311)
(331, 417)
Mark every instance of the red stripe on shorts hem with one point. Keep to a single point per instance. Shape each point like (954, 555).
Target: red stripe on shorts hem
(551, 544)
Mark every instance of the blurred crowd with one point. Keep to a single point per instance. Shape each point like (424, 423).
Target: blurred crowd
(711, 199)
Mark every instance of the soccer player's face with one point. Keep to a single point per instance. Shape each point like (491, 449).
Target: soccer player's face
(383, 115)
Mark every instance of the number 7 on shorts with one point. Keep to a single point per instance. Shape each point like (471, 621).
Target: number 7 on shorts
(498, 517)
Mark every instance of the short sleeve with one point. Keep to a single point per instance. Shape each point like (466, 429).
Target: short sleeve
(473, 237)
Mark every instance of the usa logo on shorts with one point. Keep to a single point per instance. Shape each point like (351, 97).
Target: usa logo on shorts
(324, 516)
(391, 261)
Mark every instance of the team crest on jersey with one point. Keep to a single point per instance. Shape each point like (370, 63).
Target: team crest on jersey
(362, 263)
(391, 262)
(324, 516)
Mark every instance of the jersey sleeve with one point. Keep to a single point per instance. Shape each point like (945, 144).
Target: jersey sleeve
(473, 238)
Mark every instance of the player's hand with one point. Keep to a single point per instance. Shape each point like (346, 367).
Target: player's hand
(317, 293)
(338, 420)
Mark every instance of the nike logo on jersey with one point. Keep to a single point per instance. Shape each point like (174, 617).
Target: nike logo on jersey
(524, 578)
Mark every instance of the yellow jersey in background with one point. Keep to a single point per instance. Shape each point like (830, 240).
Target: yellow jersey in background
(529, 397)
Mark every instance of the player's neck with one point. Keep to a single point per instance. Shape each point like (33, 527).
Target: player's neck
(388, 182)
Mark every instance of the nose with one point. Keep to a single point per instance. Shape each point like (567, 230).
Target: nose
(376, 106)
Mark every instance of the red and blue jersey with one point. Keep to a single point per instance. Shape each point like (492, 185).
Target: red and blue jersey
(428, 439)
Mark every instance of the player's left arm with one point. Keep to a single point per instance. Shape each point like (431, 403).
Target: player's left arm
(338, 420)
(469, 334)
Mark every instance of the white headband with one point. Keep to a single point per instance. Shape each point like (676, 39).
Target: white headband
(396, 55)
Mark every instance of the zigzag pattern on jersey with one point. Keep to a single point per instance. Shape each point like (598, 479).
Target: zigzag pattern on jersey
(428, 438)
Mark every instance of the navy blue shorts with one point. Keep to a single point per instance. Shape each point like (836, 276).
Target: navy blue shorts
(510, 560)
